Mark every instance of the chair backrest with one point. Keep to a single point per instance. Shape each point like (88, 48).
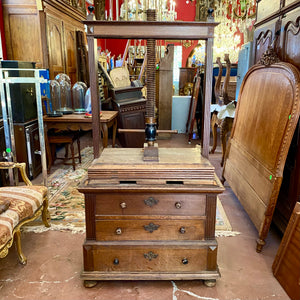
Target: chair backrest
(226, 80)
(120, 77)
(218, 90)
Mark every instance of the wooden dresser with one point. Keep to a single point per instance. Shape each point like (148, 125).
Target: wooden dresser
(150, 220)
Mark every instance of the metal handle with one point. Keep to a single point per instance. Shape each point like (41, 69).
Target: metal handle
(178, 205)
(182, 230)
(29, 91)
(185, 261)
(118, 231)
(123, 205)
(151, 227)
(151, 201)
(116, 261)
(38, 152)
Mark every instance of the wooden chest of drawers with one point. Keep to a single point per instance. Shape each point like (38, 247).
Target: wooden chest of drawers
(150, 220)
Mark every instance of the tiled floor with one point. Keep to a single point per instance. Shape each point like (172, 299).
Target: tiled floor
(55, 262)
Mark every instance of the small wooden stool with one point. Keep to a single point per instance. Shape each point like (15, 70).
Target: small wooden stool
(67, 138)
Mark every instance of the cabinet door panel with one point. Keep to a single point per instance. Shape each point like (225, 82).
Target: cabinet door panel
(70, 47)
(22, 30)
(55, 46)
(291, 38)
(263, 37)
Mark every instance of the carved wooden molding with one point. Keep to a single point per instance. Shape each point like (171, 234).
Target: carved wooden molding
(269, 57)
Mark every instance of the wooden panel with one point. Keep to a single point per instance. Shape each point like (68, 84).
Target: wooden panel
(70, 50)
(55, 46)
(149, 228)
(159, 257)
(266, 117)
(259, 116)
(286, 266)
(158, 204)
(253, 205)
(166, 90)
(151, 30)
(290, 189)
(22, 33)
(263, 37)
(290, 36)
(267, 8)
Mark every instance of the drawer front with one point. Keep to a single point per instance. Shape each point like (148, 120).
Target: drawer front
(150, 229)
(150, 204)
(150, 259)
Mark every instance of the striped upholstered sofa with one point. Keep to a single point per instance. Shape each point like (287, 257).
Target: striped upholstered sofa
(19, 205)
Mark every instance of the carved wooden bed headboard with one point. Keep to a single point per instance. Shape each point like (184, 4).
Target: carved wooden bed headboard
(266, 117)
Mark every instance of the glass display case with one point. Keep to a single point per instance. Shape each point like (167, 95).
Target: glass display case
(54, 105)
(78, 92)
(65, 97)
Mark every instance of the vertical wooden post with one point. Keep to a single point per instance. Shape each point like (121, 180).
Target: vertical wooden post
(94, 91)
(208, 94)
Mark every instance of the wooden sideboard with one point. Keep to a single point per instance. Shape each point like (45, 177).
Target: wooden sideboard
(150, 221)
(44, 32)
(283, 18)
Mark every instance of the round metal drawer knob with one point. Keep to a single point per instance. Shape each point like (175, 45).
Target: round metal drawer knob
(185, 261)
(116, 261)
(118, 231)
(178, 205)
(123, 205)
(182, 230)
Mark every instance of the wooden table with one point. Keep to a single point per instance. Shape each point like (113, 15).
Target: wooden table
(74, 122)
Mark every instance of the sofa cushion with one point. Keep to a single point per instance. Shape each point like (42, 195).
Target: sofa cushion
(24, 202)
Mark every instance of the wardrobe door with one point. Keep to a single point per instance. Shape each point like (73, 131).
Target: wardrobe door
(55, 46)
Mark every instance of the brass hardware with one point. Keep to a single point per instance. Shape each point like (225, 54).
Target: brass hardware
(178, 205)
(123, 205)
(116, 261)
(150, 255)
(150, 201)
(182, 230)
(185, 261)
(29, 91)
(118, 231)
(151, 227)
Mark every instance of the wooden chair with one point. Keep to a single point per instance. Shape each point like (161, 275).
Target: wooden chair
(67, 139)
(193, 106)
(224, 117)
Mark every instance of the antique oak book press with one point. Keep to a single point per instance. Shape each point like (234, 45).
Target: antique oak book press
(150, 213)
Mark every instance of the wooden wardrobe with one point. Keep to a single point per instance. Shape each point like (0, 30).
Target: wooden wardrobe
(44, 32)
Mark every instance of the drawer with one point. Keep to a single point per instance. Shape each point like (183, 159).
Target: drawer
(159, 228)
(151, 258)
(150, 204)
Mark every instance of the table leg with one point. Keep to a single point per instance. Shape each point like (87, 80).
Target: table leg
(105, 134)
(48, 150)
(114, 132)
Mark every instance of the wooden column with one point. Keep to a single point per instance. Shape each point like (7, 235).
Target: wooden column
(94, 92)
(208, 94)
